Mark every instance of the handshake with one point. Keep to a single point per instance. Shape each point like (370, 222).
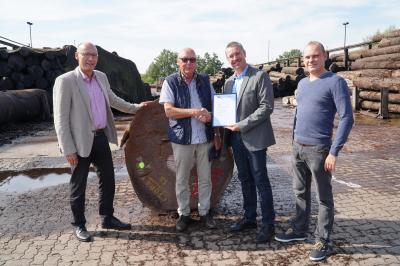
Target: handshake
(203, 115)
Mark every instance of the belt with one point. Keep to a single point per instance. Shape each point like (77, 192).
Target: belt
(97, 132)
(304, 145)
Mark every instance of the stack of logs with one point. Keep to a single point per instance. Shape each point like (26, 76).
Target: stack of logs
(284, 79)
(374, 70)
(218, 80)
(30, 68)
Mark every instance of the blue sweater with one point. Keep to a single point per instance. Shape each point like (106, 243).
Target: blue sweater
(317, 103)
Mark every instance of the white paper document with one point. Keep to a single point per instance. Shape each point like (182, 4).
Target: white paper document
(224, 109)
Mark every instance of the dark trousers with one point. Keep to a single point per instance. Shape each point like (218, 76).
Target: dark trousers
(101, 158)
(253, 176)
(308, 164)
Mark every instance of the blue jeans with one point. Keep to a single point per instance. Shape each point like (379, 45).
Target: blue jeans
(253, 176)
(308, 164)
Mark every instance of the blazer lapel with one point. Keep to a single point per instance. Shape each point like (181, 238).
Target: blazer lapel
(83, 91)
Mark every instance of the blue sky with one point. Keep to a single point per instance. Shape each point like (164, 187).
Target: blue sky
(139, 30)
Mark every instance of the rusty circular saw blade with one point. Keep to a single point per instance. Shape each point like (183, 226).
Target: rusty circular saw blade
(151, 166)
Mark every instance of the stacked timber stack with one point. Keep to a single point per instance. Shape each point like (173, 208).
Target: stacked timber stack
(377, 69)
(218, 80)
(26, 68)
(335, 63)
(285, 82)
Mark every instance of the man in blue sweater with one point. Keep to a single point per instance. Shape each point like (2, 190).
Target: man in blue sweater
(319, 98)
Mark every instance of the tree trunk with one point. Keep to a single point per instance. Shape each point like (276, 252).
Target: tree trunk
(375, 65)
(389, 42)
(377, 73)
(380, 51)
(393, 108)
(376, 96)
(393, 84)
(293, 70)
(379, 58)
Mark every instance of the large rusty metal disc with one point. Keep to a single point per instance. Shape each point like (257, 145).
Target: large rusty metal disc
(151, 166)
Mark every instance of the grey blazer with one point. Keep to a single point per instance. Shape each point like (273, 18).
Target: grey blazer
(73, 116)
(255, 106)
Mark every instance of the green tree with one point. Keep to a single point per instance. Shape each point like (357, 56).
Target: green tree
(290, 54)
(209, 64)
(165, 64)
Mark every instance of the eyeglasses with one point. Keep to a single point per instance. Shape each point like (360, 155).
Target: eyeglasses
(185, 59)
(88, 54)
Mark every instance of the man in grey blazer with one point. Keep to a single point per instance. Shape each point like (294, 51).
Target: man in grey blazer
(84, 124)
(249, 138)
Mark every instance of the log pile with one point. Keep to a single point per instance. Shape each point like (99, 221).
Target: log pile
(284, 81)
(218, 80)
(26, 68)
(375, 69)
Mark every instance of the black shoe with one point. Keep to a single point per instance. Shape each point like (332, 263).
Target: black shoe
(82, 234)
(241, 225)
(290, 236)
(208, 221)
(265, 233)
(111, 222)
(182, 223)
(319, 251)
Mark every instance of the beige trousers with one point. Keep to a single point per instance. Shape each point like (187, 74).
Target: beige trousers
(185, 156)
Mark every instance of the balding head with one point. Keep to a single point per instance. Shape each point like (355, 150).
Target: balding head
(87, 56)
(186, 62)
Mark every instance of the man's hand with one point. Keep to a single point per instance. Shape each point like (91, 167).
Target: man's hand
(72, 159)
(143, 104)
(234, 127)
(330, 163)
(203, 115)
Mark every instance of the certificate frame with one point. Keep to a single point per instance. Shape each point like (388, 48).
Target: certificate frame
(224, 109)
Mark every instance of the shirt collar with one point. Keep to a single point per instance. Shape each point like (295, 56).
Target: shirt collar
(85, 77)
(244, 72)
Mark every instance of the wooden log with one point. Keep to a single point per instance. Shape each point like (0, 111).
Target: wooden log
(375, 65)
(375, 106)
(380, 51)
(16, 62)
(24, 51)
(396, 73)
(277, 74)
(5, 70)
(393, 84)
(382, 57)
(45, 64)
(3, 54)
(24, 105)
(32, 60)
(274, 79)
(6, 84)
(376, 96)
(354, 55)
(293, 70)
(36, 71)
(389, 42)
(42, 83)
(336, 67)
(392, 34)
(378, 73)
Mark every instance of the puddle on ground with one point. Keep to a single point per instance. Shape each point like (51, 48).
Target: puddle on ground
(21, 182)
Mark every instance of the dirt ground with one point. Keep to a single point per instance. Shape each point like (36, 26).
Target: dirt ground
(35, 225)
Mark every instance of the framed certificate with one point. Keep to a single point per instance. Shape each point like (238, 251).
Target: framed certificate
(224, 109)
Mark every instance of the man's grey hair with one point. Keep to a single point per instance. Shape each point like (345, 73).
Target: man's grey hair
(315, 43)
(235, 44)
(83, 44)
